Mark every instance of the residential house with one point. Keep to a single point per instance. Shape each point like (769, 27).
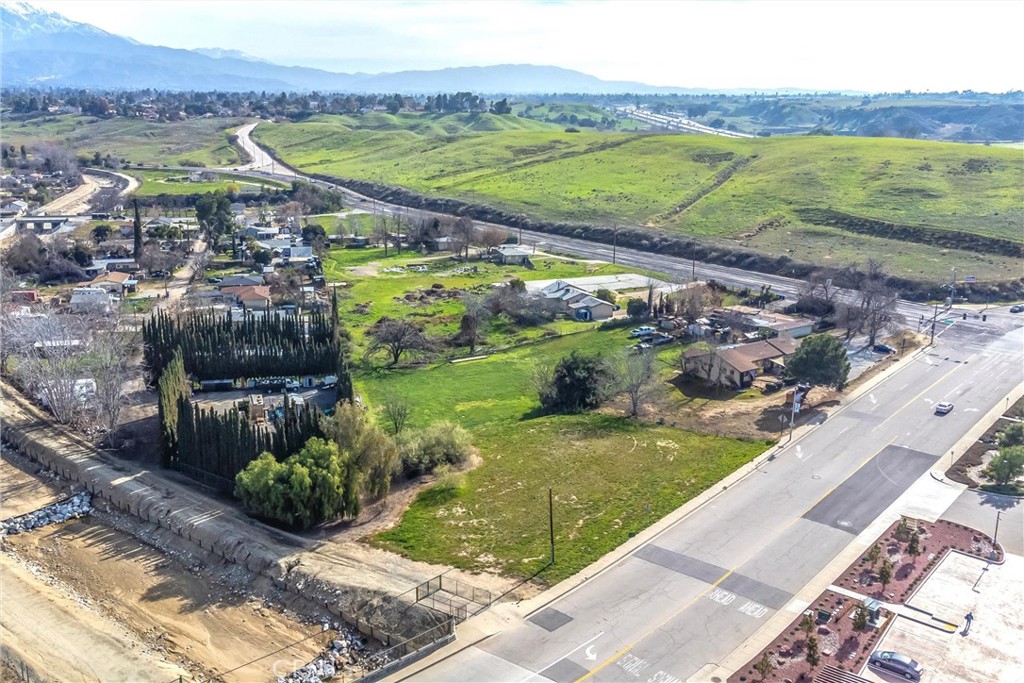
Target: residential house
(510, 255)
(737, 366)
(91, 300)
(262, 232)
(116, 282)
(249, 296)
(574, 301)
(591, 308)
(14, 208)
(241, 281)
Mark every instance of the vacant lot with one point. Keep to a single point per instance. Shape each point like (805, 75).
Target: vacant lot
(177, 182)
(200, 142)
(765, 194)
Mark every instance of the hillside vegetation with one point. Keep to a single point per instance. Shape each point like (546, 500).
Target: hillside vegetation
(197, 142)
(920, 206)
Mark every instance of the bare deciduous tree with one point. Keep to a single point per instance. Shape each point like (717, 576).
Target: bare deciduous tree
(397, 338)
(396, 409)
(491, 237)
(636, 374)
(50, 359)
(692, 302)
(462, 236)
(114, 361)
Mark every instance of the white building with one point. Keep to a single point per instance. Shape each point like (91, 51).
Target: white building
(91, 300)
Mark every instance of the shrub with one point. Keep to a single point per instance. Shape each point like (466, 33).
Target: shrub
(442, 443)
(580, 382)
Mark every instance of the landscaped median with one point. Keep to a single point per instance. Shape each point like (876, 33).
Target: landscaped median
(838, 627)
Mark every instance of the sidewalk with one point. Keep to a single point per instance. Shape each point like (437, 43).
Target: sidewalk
(927, 499)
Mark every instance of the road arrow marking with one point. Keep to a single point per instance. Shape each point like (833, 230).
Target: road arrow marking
(873, 399)
(591, 655)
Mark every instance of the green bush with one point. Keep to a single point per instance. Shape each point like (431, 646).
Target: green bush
(579, 383)
(311, 486)
(442, 443)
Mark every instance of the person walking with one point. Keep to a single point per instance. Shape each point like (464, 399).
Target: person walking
(970, 620)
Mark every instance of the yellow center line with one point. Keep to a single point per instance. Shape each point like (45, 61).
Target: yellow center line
(727, 574)
(920, 394)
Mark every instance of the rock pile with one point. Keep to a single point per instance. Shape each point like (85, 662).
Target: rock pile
(74, 507)
(346, 653)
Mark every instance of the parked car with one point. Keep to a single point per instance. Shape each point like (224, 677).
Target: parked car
(662, 339)
(896, 663)
(641, 347)
(1016, 309)
(642, 331)
(214, 280)
(883, 348)
(943, 408)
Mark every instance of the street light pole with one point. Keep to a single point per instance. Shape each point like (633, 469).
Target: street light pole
(995, 536)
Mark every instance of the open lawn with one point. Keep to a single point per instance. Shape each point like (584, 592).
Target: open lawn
(610, 477)
(198, 142)
(177, 183)
(757, 193)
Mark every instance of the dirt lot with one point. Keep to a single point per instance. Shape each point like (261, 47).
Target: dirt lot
(139, 611)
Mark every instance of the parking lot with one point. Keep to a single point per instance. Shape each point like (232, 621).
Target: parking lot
(993, 649)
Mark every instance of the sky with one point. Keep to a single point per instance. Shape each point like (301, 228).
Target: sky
(863, 45)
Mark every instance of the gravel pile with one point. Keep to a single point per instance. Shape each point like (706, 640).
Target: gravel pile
(74, 507)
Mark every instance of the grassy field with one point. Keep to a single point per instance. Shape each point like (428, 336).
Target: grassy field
(370, 294)
(638, 179)
(612, 476)
(176, 183)
(199, 142)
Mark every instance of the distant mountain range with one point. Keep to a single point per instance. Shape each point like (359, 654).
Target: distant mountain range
(41, 48)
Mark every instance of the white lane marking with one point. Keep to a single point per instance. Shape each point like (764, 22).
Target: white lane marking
(632, 664)
(567, 654)
(753, 609)
(874, 401)
(907, 384)
(928, 360)
(664, 677)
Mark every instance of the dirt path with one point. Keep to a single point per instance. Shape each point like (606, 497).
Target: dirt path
(61, 638)
(77, 200)
(21, 490)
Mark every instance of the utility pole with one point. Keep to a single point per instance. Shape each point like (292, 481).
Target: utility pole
(551, 522)
(952, 289)
(935, 316)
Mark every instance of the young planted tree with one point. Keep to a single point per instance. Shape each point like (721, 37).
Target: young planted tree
(874, 554)
(914, 544)
(807, 625)
(813, 655)
(885, 574)
(765, 666)
(860, 618)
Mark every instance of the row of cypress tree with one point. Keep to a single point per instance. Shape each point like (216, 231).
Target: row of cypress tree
(214, 347)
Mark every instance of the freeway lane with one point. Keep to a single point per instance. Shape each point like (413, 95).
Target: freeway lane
(686, 599)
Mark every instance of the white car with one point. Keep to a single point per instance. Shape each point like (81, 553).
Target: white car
(943, 408)
(642, 331)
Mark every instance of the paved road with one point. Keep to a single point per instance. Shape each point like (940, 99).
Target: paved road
(678, 605)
